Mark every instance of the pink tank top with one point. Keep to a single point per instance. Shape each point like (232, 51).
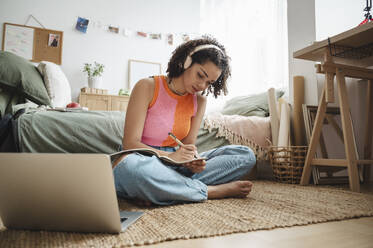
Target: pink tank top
(167, 112)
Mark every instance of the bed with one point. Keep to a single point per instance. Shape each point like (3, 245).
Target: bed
(40, 129)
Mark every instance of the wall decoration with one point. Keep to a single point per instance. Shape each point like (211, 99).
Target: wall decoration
(33, 43)
(170, 39)
(54, 40)
(19, 40)
(82, 24)
(114, 29)
(185, 37)
(142, 34)
(138, 69)
(155, 36)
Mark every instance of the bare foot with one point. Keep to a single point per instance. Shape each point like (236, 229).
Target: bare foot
(233, 189)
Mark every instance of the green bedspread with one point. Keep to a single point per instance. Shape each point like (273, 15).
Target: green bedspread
(207, 140)
(84, 132)
(70, 132)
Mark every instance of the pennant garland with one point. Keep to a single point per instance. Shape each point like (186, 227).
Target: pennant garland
(82, 25)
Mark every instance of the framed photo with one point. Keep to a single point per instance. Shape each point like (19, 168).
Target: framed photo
(82, 24)
(114, 29)
(138, 69)
(333, 127)
(54, 40)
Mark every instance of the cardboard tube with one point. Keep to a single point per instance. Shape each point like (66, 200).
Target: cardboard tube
(273, 115)
(298, 120)
(280, 101)
(283, 134)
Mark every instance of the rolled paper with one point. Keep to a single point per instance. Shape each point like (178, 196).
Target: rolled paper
(298, 119)
(283, 134)
(273, 115)
(281, 100)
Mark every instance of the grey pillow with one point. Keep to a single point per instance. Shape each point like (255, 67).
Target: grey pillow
(251, 105)
(22, 77)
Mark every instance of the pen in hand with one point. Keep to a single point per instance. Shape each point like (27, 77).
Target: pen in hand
(179, 142)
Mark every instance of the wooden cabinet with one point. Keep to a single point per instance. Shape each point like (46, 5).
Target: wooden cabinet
(119, 103)
(103, 102)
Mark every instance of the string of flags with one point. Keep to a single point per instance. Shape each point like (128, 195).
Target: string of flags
(83, 23)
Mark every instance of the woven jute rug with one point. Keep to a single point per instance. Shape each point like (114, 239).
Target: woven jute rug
(270, 205)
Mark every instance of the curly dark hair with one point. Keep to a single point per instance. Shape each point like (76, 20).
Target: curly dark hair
(221, 60)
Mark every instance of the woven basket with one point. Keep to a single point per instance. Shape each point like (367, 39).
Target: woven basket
(287, 162)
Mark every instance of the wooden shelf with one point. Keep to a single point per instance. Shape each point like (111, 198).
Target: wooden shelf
(356, 37)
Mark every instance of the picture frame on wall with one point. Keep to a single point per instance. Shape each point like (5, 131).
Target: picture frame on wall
(139, 69)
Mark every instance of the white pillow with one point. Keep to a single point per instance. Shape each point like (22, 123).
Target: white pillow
(56, 83)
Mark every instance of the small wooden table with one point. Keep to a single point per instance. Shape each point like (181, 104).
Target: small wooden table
(344, 55)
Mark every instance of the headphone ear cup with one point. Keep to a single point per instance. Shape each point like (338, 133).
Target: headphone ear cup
(188, 62)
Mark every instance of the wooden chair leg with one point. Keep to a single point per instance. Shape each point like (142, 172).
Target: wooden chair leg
(368, 130)
(306, 174)
(348, 133)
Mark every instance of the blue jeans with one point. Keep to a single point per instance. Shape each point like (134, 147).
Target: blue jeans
(147, 178)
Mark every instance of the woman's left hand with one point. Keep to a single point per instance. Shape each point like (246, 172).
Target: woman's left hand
(196, 166)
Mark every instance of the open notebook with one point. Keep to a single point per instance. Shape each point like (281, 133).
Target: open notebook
(149, 152)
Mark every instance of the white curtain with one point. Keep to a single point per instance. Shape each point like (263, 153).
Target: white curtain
(255, 36)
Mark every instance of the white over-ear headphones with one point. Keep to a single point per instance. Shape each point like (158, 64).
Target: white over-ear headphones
(188, 60)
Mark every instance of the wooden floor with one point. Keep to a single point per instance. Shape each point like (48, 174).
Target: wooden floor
(355, 233)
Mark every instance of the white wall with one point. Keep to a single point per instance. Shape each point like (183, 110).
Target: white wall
(330, 19)
(113, 50)
(301, 33)
(329, 22)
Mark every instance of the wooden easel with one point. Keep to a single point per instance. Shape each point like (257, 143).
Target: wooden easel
(351, 65)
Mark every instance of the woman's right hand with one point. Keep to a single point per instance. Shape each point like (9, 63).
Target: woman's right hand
(188, 152)
(184, 153)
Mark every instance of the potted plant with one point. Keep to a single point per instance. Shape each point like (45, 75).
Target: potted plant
(94, 73)
(123, 92)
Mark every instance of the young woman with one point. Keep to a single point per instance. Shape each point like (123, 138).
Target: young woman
(176, 103)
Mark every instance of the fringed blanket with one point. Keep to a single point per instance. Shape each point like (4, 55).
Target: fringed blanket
(252, 131)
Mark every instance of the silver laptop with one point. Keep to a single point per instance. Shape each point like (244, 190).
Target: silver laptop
(60, 192)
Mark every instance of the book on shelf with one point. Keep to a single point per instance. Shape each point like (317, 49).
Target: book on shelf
(150, 152)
